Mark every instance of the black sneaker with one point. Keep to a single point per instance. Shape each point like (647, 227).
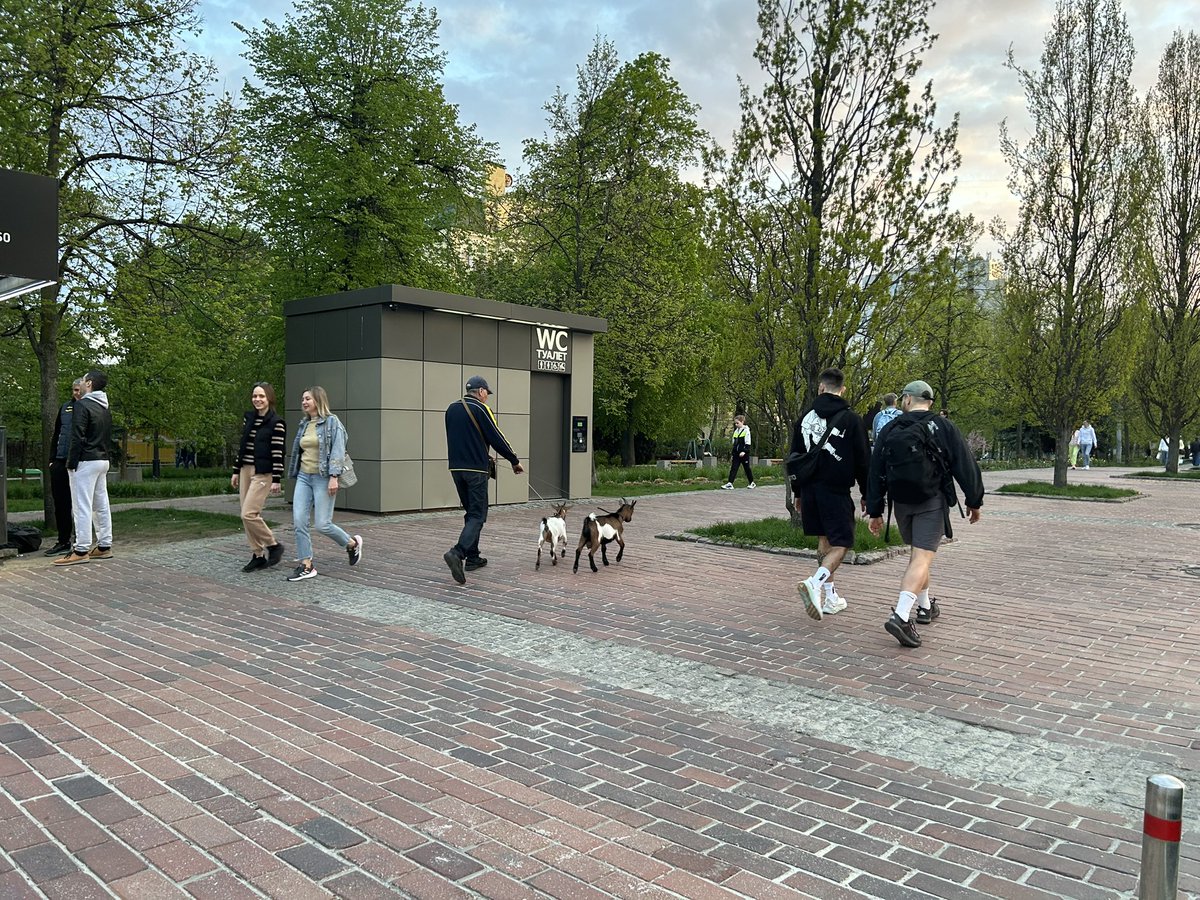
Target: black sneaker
(904, 632)
(926, 616)
(454, 561)
(477, 563)
(302, 572)
(355, 552)
(256, 563)
(59, 549)
(274, 554)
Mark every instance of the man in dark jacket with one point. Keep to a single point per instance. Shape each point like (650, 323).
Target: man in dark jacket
(60, 478)
(922, 523)
(826, 509)
(470, 430)
(87, 461)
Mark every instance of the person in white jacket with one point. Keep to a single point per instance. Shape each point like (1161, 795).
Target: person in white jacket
(1087, 443)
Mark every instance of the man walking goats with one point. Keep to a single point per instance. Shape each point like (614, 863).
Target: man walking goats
(915, 466)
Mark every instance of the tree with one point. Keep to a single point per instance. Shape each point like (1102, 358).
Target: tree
(99, 95)
(360, 172)
(604, 225)
(836, 191)
(1168, 377)
(1066, 304)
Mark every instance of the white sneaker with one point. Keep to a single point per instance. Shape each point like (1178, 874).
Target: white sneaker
(833, 605)
(810, 593)
(727, 486)
(753, 485)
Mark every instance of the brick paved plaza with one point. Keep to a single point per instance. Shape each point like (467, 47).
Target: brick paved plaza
(673, 726)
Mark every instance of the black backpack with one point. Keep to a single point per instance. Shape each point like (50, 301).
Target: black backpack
(24, 537)
(914, 463)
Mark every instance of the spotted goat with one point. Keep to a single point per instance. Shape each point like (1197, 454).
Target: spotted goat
(600, 531)
(553, 534)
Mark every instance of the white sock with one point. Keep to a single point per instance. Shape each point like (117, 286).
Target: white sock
(822, 575)
(905, 604)
(923, 599)
(830, 590)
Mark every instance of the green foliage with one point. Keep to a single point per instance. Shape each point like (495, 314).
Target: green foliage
(604, 225)
(1080, 491)
(1186, 475)
(782, 533)
(639, 481)
(359, 171)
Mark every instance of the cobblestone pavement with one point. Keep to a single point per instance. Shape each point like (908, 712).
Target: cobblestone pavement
(672, 726)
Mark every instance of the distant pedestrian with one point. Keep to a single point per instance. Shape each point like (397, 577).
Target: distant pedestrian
(1195, 448)
(914, 468)
(258, 472)
(740, 458)
(826, 508)
(1163, 449)
(88, 463)
(884, 415)
(60, 478)
(1073, 448)
(1087, 443)
(470, 430)
(318, 452)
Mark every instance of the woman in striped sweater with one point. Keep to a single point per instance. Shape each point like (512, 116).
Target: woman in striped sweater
(258, 473)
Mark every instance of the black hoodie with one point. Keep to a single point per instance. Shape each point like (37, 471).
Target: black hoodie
(845, 458)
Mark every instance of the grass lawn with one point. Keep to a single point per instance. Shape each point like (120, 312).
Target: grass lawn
(641, 481)
(164, 526)
(776, 532)
(26, 496)
(1078, 491)
(1184, 474)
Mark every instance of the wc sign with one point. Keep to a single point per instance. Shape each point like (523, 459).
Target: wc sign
(551, 350)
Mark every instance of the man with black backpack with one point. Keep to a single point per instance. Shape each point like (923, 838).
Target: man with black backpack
(915, 466)
(834, 440)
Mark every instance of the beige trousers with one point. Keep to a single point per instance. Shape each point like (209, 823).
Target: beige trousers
(254, 490)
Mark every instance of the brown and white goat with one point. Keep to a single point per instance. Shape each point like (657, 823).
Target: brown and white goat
(599, 531)
(553, 534)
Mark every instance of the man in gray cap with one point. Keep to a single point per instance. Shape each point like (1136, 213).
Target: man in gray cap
(915, 465)
(470, 430)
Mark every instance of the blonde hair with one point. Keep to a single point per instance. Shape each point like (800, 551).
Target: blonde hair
(320, 401)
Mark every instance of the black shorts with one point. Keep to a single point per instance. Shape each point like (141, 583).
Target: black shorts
(922, 525)
(829, 512)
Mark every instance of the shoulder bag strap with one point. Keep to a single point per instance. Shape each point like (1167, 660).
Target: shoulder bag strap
(467, 406)
(829, 429)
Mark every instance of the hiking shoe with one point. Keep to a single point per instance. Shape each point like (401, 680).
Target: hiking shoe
(355, 552)
(904, 632)
(810, 593)
(727, 486)
(256, 563)
(73, 558)
(100, 553)
(302, 572)
(926, 616)
(454, 561)
(477, 563)
(58, 550)
(833, 605)
(274, 554)
(752, 485)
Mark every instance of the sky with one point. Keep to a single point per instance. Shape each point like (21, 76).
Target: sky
(506, 58)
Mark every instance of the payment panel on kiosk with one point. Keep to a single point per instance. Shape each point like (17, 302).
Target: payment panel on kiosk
(579, 432)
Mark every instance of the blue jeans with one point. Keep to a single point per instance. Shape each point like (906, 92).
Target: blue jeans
(312, 496)
(1085, 451)
(473, 494)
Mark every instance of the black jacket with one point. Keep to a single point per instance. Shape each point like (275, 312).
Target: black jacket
(846, 456)
(466, 450)
(91, 430)
(963, 467)
(269, 443)
(61, 441)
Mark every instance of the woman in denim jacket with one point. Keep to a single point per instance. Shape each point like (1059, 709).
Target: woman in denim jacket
(317, 454)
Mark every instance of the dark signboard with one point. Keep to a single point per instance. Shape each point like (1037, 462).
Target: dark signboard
(551, 350)
(28, 226)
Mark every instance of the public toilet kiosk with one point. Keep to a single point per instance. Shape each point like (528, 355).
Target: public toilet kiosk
(392, 358)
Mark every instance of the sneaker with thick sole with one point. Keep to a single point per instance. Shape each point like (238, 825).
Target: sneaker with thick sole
(256, 563)
(926, 616)
(58, 550)
(302, 572)
(455, 564)
(752, 485)
(833, 605)
(100, 553)
(355, 552)
(904, 632)
(810, 593)
(477, 563)
(727, 486)
(274, 554)
(73, 558)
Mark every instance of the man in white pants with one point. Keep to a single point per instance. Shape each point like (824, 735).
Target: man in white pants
(87, 463)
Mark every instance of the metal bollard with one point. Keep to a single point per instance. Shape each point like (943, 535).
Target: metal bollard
(1162, 828)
